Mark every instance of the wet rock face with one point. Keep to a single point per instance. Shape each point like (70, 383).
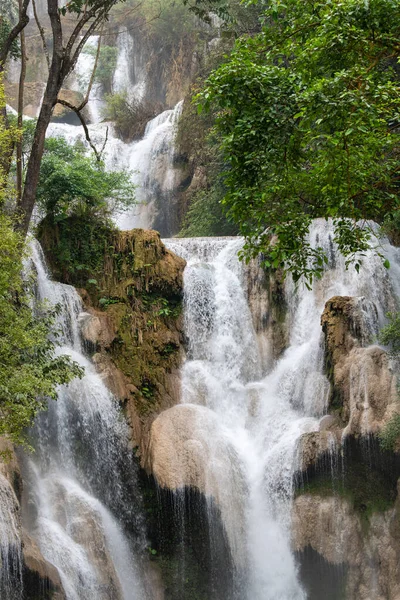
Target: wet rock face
(365, 558)
(363, 392)
(26, 568)
(135, 331)
(188, 450)
(346, 514)
(267, 303)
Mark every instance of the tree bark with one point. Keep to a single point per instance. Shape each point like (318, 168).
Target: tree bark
(52, 90)
(14, 33)
(20, 107)
(62, 62)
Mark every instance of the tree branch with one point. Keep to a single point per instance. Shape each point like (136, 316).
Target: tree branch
(14, 33)
(41, 31)
(76, 110)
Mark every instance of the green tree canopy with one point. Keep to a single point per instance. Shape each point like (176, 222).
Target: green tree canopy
(308, 111)
(30, 371)
(71, 182)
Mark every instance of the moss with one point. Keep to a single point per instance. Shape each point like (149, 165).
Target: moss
(132, 278)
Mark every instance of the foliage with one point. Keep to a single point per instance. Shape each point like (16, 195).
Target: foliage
(106, 65)
(72, 183)
(390, 334)
(205, 216)
(391, 227)
(390, 434)
(5, 28)
(308, 111)
(29, 370)
(198, 143)
(129, 115)
(80, 7)
(77, 196)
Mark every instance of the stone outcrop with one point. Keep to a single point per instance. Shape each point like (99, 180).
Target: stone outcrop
(370, 556)
(363, 395)
(39, 577)
(38, 573)
(188, 449)
(135, 336)
(267, 303)
(346, 514)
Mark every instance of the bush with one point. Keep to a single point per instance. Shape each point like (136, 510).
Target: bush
(390, 334)
(390, 434)
(130, 116)
(77, 196)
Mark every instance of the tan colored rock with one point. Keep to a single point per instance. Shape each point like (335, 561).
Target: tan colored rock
(72, 97)
(33, 94)
(40, 569)
(363, 385)
(371, 554)
(188, 449)
(9, 466)
(97, 328)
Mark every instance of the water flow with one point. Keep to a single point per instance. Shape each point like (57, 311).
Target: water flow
(10, 544)
(150, 159)
(262, 416)
(82, 497)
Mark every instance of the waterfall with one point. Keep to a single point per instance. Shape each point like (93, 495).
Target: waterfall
(83, 507)
(10, 544)
(260, 416)
(150, 160)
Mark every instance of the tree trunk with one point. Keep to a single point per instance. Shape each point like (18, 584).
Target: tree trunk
(53, 87)
(21, 107)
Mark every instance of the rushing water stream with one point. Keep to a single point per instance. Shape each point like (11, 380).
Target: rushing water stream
(82, 500)
(262, 415)
(247, 414)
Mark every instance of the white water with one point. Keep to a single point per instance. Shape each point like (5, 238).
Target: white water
(263, 415)
(150, 160)
(10, 543)
(74, 478)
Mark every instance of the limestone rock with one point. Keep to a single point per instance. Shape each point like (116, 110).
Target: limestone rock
(370, 554)
(70, 96)
(188, 449)
(9, 466)
(39, 574)
(363, 384)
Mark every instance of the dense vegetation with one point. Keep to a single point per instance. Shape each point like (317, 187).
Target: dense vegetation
(308, 115)
(77, 196)
(30, 370)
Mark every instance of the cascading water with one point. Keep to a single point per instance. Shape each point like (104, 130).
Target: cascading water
(261, 416)
(150, 159)
(82, 505)
(10, 544)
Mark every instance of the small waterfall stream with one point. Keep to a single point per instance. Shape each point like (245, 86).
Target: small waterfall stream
(82, 506)
(150, 160)
(261, 416)
(10, 544)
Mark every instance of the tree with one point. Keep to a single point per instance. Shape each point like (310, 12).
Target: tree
(29, 369)
(72, 182)
(66, 47)
(77, 196)
(309, 119)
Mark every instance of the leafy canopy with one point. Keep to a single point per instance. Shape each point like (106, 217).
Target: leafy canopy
(29, 369)
(73, 183)
(308, 111)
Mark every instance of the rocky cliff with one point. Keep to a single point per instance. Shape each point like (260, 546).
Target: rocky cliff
(345, 515)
